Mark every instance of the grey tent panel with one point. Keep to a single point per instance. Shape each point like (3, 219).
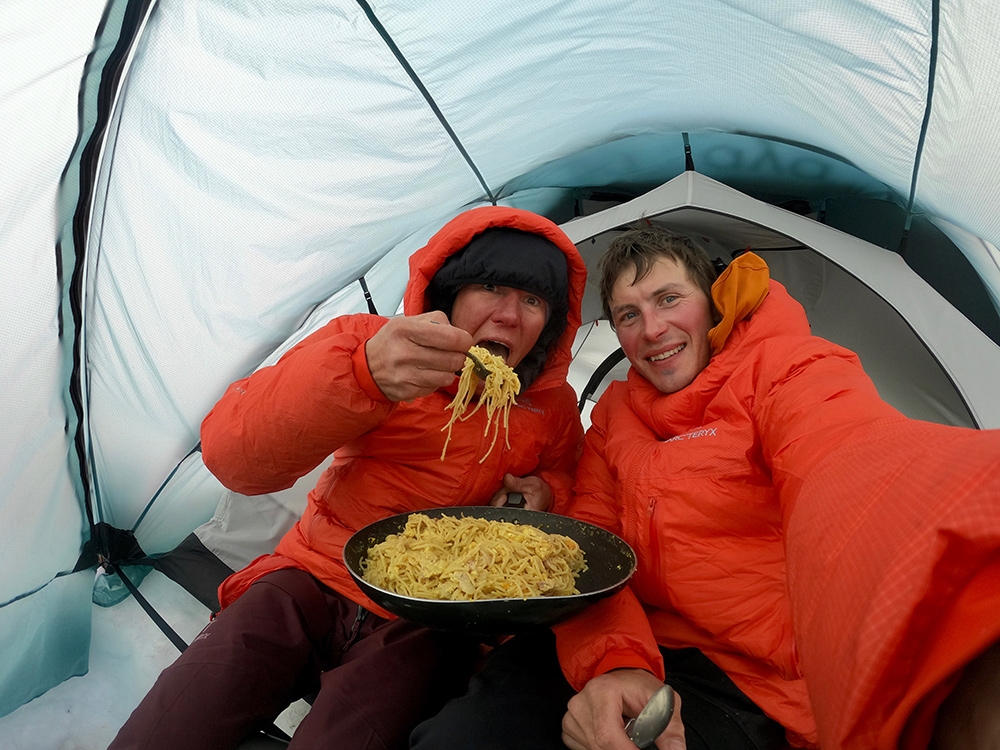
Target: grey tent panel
(925, 357)
(844, 310)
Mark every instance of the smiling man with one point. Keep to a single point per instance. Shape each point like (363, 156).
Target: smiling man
(374, 392)
(814, 568)
(659, 302)
(809, 558)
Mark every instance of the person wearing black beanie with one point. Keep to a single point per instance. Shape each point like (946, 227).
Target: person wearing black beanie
(516, 259)
(369, 396)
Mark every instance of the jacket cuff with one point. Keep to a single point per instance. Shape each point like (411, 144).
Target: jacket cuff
(359, 363)
(612, 633)
(626, 660)
(560, 485)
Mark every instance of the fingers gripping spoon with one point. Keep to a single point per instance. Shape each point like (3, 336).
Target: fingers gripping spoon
(481, 370)
(652, 720)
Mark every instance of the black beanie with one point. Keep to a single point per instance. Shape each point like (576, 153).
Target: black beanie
(514, 258)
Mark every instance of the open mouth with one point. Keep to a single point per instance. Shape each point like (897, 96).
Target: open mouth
(495, 348)
(667, 354)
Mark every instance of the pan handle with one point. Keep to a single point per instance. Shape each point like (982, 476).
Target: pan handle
(514, 500)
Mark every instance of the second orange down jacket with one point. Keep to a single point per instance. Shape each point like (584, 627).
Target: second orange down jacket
(832, 556)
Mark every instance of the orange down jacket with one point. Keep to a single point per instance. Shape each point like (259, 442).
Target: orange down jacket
(835, 558)
(278, 424)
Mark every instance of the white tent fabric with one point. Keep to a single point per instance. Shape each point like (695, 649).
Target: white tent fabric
(44, 616)
(168, 224)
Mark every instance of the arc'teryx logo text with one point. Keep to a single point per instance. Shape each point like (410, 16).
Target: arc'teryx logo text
(526, 404)
(706, 432)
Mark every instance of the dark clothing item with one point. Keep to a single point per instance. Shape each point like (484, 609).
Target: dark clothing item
(715, 712)
(519, 698)
(508, 257)
(289, 637)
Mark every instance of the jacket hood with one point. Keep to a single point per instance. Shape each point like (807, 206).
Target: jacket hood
(737, 293)
(458, 233)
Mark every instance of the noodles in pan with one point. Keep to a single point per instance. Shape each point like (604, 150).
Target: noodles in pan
(473, 558)
(498, 394)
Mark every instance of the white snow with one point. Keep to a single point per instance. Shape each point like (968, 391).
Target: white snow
(127, 653)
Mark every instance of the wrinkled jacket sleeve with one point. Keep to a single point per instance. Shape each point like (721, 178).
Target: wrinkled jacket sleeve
(279, 423)
(557, 464)
(613, 633)
(891, 541)
(809, 406)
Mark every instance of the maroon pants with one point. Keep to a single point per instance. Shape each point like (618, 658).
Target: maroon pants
(287, 637)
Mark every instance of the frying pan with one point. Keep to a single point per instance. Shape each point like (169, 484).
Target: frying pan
(610, 563)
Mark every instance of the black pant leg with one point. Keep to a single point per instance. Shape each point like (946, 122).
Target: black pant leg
(716, 713)
(517, 700)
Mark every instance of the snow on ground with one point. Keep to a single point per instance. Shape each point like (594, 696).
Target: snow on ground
(127, 652)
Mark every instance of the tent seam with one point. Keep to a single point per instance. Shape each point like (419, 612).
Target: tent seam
(398, 53)
(928, 106)
(106, 64)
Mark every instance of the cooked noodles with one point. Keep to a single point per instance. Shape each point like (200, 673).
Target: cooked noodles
(498, 394)
(473, 558)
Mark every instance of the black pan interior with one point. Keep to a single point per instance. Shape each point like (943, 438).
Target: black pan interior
(610, 563)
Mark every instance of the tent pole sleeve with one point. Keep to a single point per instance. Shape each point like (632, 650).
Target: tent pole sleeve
(688, 158)
(368, 296)
(602, 369)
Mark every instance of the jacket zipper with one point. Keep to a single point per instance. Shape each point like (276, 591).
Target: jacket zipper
(631, 503)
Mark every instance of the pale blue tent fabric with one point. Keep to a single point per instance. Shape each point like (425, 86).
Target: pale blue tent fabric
(258, 159)
(44, 608)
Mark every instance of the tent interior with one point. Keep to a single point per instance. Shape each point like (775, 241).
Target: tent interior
(208, 183)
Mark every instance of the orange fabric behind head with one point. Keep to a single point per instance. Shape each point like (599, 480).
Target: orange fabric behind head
(737, 293)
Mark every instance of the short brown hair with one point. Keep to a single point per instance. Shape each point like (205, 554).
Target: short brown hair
(639, 249)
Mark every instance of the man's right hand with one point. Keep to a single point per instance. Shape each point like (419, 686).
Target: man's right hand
(412, 356)
(594, 717)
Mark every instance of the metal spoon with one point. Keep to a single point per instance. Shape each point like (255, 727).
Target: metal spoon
(481, 370)
(652, 720)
